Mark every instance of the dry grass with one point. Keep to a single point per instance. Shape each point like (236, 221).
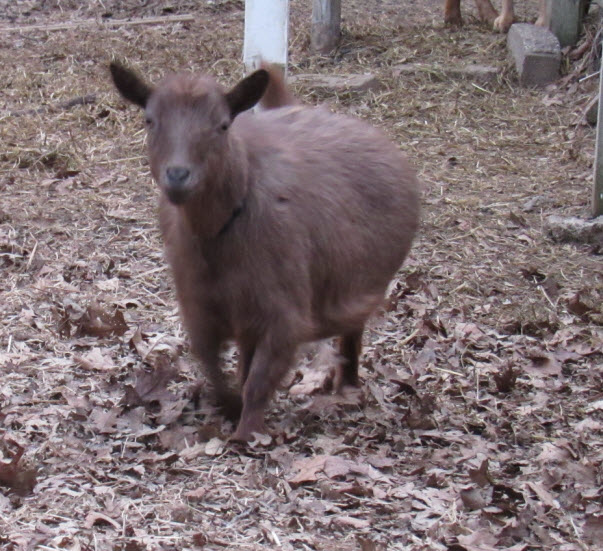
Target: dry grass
(481, 423)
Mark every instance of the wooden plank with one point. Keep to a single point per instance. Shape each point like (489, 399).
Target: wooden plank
(100, 23)
(326, 25)
(597, 202)
(266, 33)
(67, 104)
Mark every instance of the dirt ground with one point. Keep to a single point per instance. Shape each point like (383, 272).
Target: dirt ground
(480, 419)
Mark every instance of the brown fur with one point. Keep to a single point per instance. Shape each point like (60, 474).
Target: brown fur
(277, 94)
(290, 228)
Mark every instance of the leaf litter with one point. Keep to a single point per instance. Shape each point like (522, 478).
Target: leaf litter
(479, 422)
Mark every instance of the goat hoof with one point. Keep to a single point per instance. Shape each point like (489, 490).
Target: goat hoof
(502, 23)
(453, 20)
(246, 430)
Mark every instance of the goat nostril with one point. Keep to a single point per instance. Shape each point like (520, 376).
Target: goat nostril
(177, 175)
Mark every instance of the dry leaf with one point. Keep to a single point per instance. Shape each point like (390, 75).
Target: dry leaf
(98, 322)
(481, 476)
(15, 475)
(345, 521)
(196, 495)
(214, 447)
(542, 363)
(506, 378)
(94, 518)
(593, 529)
(95, 361)
(336, 467)
(308, 469)
(105, 421)
(152, 385)
(473, 498)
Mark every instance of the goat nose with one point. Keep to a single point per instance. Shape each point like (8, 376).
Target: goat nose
(177, 175)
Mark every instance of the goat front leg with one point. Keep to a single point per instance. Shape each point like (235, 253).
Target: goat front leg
(269, 363)
(207, 349)
(452, 13)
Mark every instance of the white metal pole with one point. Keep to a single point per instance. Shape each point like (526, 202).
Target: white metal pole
(266, 33)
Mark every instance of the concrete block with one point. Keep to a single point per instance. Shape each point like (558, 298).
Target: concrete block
(574, 229)
(536, 53)
(469, 71)
(337, 83)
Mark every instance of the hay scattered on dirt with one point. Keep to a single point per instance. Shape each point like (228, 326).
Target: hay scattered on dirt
(479, 423)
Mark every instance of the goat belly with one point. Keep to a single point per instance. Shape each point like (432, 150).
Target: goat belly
(336, 198)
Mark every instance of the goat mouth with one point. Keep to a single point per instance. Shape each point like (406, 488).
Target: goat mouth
(178, 195)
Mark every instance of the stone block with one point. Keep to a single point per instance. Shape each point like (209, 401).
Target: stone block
(536, 53)
(574, 229)
(337, 83)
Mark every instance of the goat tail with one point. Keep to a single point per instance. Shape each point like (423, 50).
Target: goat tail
(278, 93)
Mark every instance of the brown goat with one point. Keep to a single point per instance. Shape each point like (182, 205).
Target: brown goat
(281, 227)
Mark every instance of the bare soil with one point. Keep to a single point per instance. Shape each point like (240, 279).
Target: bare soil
(479, 422)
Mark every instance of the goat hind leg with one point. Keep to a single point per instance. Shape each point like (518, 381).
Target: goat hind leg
(544, 19)
(350, 347)
(246, 353)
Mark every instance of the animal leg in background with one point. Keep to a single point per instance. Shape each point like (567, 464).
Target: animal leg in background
(452, 12)
(486, 12)
(504, 21)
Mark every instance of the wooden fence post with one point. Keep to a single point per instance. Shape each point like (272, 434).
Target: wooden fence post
(326, 25)
(565, 18)
(597, 206)
(266, 33)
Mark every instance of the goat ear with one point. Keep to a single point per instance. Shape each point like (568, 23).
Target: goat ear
(130, 85)
(247, 92)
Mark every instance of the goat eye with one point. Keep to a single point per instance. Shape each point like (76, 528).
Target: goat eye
(148, 121)
(224, 127)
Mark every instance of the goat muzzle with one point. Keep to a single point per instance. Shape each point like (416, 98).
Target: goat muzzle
(177, 184)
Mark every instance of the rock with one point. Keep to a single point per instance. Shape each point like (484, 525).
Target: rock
(536, 53)
(337, 83)
(479, 73)
(574, 229)
(533, 203)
